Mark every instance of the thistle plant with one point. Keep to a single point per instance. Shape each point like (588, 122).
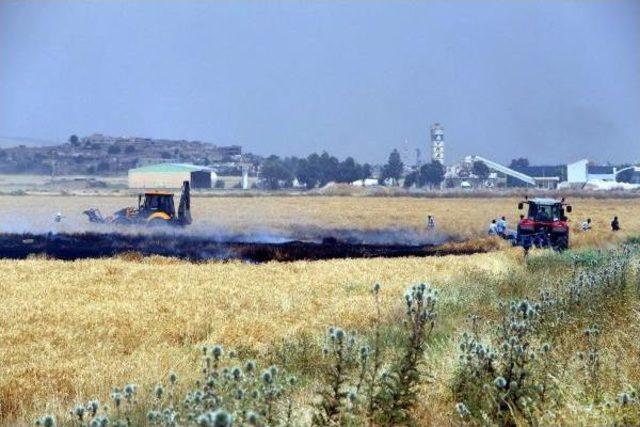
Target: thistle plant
(46, 421)
(398, 393)
(591, 362)
(507, 375)
(374, 357)
(228, 392)
(338, 351)
(604, 277)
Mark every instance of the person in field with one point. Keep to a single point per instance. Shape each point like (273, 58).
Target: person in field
(501, 226)
(493, 228)
(431, 222)
(586, 224)
(615, 224)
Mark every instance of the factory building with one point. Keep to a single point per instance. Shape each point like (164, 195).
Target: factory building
(581, 172)
(171, 176)
(547, 177)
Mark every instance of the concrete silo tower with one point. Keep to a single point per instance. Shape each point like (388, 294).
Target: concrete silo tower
(437, 142)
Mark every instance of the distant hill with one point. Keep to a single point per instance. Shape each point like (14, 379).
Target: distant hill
(14, 141)
(108, 155)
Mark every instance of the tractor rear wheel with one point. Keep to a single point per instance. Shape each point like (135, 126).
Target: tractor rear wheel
(561, 243)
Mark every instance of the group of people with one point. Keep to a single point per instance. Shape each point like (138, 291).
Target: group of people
(498, 227)
(615, 224)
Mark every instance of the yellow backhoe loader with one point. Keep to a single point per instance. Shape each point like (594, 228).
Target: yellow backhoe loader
(155, 208)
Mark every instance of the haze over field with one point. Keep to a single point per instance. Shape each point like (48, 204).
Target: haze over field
(551, 81)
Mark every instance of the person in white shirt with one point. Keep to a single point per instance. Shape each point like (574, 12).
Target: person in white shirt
(493, 228)
(586, 225)
(501, 226)
(431, 222)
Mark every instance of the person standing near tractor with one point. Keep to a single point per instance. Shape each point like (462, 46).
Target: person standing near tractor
(501, 226)
(615, 224)
(493, 228)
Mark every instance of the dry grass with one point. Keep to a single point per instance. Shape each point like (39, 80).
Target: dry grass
(73, 330)
(77, 328)
(464, 217)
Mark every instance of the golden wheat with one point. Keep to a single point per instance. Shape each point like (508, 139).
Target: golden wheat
(73, 330)
(79, 328)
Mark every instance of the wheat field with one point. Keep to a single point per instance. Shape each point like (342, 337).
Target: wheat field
(464, 217)
(70, 331)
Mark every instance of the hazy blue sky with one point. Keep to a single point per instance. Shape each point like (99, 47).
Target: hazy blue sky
(553, 81)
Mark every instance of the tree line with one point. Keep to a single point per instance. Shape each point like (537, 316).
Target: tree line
(314, 170)
(317, 170)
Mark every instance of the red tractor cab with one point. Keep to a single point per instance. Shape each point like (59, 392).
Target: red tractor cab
(544, 225)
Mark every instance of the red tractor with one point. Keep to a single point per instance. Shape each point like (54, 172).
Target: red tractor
(545, 225)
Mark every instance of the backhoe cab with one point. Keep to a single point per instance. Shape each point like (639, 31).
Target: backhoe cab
(545, 224)
(155, 208)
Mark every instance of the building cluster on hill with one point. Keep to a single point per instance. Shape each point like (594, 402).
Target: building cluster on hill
(108, 155)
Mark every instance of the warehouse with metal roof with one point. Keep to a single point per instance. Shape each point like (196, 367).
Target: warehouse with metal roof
(171, 175)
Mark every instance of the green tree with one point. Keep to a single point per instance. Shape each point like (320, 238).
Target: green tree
(410, 180)
(292, 163)
(274, 172)
(431, 174)
(308, 172)
(481, 170)
(327, 168)
(367, 171)
(74, 140)
(348, 171)
(394, 167)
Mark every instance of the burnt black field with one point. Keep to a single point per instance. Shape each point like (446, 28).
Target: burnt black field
(73, 246)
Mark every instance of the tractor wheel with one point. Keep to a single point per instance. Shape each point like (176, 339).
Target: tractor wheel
(158, 222)
(561, 243)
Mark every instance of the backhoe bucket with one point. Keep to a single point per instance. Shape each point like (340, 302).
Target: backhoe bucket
(94, 216)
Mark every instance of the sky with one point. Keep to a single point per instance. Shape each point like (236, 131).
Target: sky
(551, 81)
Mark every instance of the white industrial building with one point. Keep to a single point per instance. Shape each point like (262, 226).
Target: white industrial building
(581, 172)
